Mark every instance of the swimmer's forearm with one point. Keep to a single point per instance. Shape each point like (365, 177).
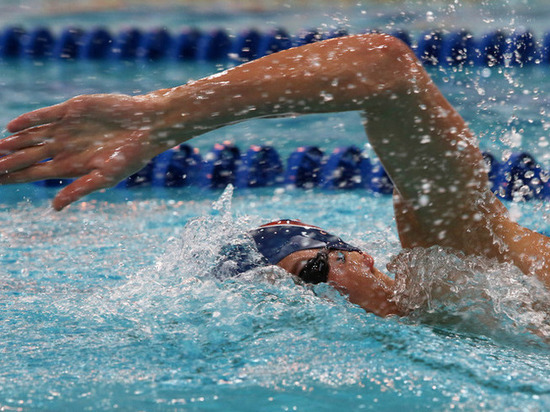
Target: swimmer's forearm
(411, 126)
(322, 77)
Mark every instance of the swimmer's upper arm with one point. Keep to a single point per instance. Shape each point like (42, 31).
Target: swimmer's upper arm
(431, 156)
(424, 144)
(442, 192)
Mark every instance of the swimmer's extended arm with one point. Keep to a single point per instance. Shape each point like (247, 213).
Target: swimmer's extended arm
(424, 144)
(104, 138)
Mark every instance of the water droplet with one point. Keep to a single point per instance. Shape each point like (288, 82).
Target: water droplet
(327, 97)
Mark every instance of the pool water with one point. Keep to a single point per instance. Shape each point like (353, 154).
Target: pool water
(112, 303)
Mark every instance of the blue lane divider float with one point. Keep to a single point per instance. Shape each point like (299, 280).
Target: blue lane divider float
(428, 48)
(273, 42)
(304, 167)
(96, 45)
(213, 46)
(492, 48)
(177, 167)
(67, 46)
(125, 45)
(519, 177)
(434, 47)
(260, 166)
(38, 43)
(246, 45)
(155, 45)
(185, 45)
(11, 42)
(342, 169)
(220, 166)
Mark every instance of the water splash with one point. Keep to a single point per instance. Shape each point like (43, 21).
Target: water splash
(190, 274)
(470, 294)
(203, 238)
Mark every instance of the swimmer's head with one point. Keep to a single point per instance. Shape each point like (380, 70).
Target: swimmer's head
(277, 240)
(276, 243)
(317, 256)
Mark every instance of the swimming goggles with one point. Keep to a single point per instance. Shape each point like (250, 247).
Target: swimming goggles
(316, 269)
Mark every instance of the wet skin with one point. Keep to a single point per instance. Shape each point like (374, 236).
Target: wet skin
(352, 274)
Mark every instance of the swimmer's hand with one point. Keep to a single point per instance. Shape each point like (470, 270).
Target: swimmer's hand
(99, 139)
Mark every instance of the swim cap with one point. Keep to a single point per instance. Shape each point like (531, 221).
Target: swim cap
(277, 240)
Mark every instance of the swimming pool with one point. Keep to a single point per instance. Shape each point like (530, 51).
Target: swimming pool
(111, 303)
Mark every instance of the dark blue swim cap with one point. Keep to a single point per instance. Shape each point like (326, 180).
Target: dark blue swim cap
(277, 240)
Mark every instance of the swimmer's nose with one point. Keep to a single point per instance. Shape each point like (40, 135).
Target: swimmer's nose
(363, 259)
(368, 260)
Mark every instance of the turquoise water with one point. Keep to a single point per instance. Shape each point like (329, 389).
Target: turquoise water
(112, 303)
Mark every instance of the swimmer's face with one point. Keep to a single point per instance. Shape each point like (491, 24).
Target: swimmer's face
(351, 273)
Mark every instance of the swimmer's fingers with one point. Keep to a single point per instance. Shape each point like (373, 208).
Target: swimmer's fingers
(92, 182)
(26, 138)
(37, 117)
(99, 107)
(40, 171)
(22, 159)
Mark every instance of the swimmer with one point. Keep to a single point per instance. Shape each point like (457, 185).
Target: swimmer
(441, 197)
(316, 256)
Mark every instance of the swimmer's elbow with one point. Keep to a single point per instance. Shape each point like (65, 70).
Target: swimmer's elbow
(387, 64)
(391, 44)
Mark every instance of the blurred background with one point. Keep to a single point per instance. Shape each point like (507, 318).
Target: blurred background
(357, 15)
